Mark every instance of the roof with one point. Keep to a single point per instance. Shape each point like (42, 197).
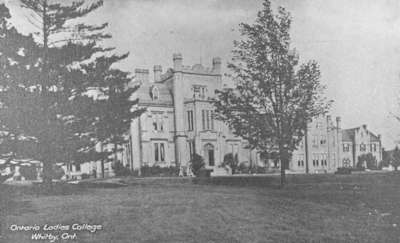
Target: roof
(348, 134)
(144, 94)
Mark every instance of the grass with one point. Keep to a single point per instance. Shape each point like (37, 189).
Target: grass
(318, 208)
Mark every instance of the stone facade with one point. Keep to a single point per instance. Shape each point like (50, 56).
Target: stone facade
(179, 119)
(327, 147)
(178, 122)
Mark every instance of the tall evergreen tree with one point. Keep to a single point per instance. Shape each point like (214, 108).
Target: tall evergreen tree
(60, 103)
(273, 99)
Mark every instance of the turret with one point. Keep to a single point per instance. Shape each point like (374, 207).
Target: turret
(157, 73)
(216, 65)
(178, 59)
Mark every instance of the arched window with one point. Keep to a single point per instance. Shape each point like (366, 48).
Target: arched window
(155, 94)
(209, 154)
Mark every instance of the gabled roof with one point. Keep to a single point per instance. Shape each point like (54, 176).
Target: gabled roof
(348, 134)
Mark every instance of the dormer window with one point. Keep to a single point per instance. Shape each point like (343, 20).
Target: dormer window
(155, 94)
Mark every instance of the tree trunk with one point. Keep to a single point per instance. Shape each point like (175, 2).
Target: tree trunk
(283, 172)
(283, 159)
(102, 168)
(47, 172)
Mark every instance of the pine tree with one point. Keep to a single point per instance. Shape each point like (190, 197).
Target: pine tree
(59, 104)
(272, 100)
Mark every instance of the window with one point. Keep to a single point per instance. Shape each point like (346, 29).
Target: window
(203, 119)
(191, 149)
(374, 147)
(207, 119)
(156, 152)
(202, 92)
(158, 122)
(363, 147)
(162, 152)
(190, 120)
(155, 125)
(77, 167)
(323, 140)
(346, 147)
(159, 152)
(154, 93)
(315, 141)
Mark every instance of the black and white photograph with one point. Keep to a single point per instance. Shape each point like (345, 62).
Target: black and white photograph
(199, 121)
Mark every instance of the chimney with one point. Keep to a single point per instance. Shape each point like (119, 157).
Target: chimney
(364, 126)
(338, 121)
(157, 73)
(379, 137)
(177, 58)
(216, 65)
(142, 75)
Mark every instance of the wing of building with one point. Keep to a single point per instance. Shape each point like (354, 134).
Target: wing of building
(327, 146)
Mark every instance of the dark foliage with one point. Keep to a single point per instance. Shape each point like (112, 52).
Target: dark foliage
(121, 170)
(274, 98)
(231, 161)
(61, 94)
(157, 171)
(29, 172)
(197, 164)
(368, 159)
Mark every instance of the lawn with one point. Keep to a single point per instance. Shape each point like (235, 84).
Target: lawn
(318, 208)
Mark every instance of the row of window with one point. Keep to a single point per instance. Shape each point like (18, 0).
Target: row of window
(315, 162)
(207, 120)
(362, 147)
(316, 142)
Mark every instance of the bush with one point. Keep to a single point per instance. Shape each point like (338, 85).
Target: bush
(231, 161)
(343, 170)
(156, 170)
(196, 164)
(57, 172)
(368, 159)
(85, 176)
(244, 168)
(28, 172)
(120, 169)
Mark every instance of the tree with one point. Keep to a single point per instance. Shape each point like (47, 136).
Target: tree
(273, 98)
(197, 164)
(231, 161)
(59, 92)
(368, 159)
(396, 158)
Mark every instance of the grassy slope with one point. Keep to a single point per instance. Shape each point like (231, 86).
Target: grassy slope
(323, 208)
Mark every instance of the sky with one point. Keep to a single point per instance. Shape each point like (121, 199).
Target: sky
(356, 43)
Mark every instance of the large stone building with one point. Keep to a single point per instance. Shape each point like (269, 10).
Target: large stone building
(179, 119)
(179, 122)
(327, 146)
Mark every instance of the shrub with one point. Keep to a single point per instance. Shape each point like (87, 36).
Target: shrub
(231, 161)
(28, 172)
(120, 169)
(85, 176)
(369, 159)
(156, 170)
(196, 164)
(244, 168)
(57, 172)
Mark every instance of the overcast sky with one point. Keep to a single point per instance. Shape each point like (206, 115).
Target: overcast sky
(356, 43)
